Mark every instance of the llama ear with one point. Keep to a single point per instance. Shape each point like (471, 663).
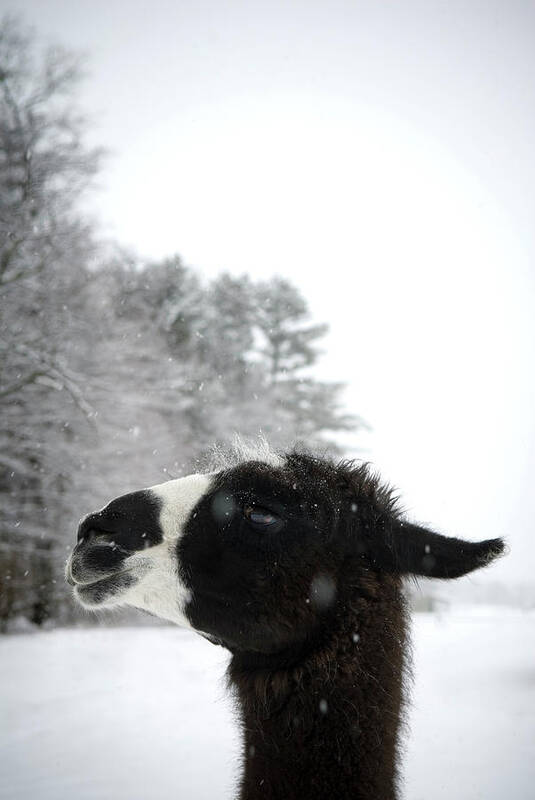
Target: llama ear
(414, 550)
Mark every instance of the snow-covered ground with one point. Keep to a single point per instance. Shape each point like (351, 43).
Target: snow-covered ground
(139, 713)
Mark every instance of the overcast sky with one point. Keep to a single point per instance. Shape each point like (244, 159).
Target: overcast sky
(378, 154)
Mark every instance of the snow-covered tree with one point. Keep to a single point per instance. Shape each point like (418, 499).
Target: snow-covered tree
(44, 249)
(289, 347)
(115, 373)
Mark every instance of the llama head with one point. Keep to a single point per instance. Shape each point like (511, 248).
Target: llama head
(259, 554)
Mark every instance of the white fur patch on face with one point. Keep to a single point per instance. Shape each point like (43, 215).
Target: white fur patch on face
(159, 589)
(150, 578)
(178, 498)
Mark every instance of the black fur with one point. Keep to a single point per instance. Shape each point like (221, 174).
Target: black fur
(297, 569)
(313, 613)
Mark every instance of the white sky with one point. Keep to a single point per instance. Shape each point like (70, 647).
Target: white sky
(378, 154)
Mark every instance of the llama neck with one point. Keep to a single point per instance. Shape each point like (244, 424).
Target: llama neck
(328, 724)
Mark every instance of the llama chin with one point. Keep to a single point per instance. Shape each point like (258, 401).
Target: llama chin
(295, 564)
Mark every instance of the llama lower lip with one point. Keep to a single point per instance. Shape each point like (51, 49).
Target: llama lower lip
(88, 584)
(98, 591)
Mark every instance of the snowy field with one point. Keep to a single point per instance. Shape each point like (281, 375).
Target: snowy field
(142, 713)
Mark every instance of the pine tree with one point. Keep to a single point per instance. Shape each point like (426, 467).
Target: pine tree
(289, 347)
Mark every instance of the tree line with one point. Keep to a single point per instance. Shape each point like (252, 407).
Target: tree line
(115, 373)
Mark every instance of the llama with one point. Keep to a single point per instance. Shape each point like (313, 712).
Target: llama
(295, 564)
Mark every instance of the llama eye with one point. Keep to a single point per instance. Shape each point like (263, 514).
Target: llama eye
(260, 517)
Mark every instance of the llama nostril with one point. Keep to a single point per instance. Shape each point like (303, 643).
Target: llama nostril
(89, 528)
(90, 534)
(85, 526)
